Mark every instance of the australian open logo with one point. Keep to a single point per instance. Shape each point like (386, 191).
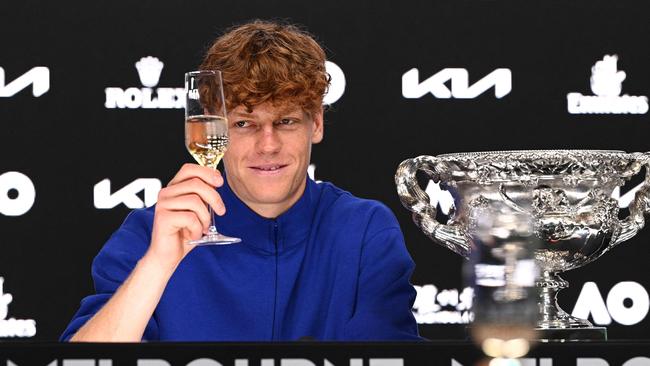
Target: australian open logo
(149, 70)
(13, 327)
(607, 84)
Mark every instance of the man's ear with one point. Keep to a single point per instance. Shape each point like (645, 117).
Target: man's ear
(317, 135)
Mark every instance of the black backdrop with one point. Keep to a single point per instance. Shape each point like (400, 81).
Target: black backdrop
(66, 141)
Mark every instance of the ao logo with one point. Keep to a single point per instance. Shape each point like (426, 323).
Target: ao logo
(128, 195)
(17, 194)
(38, 77)
(412, 88)
(337, 83)
(590, 301)
(311, 173)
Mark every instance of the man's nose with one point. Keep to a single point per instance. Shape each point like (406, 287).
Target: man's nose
(268, 141)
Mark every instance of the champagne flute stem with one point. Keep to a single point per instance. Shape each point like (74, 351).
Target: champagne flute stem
(212, 229)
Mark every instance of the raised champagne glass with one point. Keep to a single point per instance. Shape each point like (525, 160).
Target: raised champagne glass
(206, 133)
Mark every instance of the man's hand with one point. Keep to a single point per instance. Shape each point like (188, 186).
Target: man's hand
(182, 213)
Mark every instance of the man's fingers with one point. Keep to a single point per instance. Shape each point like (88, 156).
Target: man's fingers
(193, 186)
(188, 222)
(210, 176)
(188, 202)
(187, 236)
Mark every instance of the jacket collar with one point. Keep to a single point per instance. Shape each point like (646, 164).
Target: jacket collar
(269, 235)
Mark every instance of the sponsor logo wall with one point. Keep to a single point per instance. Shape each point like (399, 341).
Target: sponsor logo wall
(92, 128)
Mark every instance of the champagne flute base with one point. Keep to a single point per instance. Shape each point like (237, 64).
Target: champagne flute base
(214, 239)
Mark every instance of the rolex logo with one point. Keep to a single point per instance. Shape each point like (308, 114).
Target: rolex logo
(149, 95)
(149, 69)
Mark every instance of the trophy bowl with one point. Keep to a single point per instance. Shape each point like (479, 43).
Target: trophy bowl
(568, 194)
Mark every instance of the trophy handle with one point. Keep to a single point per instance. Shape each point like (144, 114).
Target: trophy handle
(638, 208)
(424, 214)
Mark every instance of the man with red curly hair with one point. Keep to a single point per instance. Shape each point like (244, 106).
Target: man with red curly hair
(314, 262)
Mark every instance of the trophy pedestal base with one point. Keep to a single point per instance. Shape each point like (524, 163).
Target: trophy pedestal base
(571, 334)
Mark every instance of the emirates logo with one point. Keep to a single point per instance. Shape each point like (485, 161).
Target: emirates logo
(606, 83)
(13, 327)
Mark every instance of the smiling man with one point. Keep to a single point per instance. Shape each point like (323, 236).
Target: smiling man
(267, 163)
(314, 261)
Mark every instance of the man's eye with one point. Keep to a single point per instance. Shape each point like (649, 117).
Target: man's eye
(242, 124)
(286, 121)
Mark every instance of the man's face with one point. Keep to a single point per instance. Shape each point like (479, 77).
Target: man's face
(268, 154)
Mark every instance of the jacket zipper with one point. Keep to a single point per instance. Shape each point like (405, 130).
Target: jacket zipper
(275, 298)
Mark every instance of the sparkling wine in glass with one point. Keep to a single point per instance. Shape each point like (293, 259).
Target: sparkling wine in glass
(206, 133)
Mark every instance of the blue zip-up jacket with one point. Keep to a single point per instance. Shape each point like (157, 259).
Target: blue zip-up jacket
(333, 267)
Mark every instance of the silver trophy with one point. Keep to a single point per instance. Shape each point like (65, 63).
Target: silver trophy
(568, 193)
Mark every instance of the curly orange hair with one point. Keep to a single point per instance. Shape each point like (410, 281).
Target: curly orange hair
(264, 61)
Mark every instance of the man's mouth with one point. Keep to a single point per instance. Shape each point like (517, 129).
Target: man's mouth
(268, 168)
